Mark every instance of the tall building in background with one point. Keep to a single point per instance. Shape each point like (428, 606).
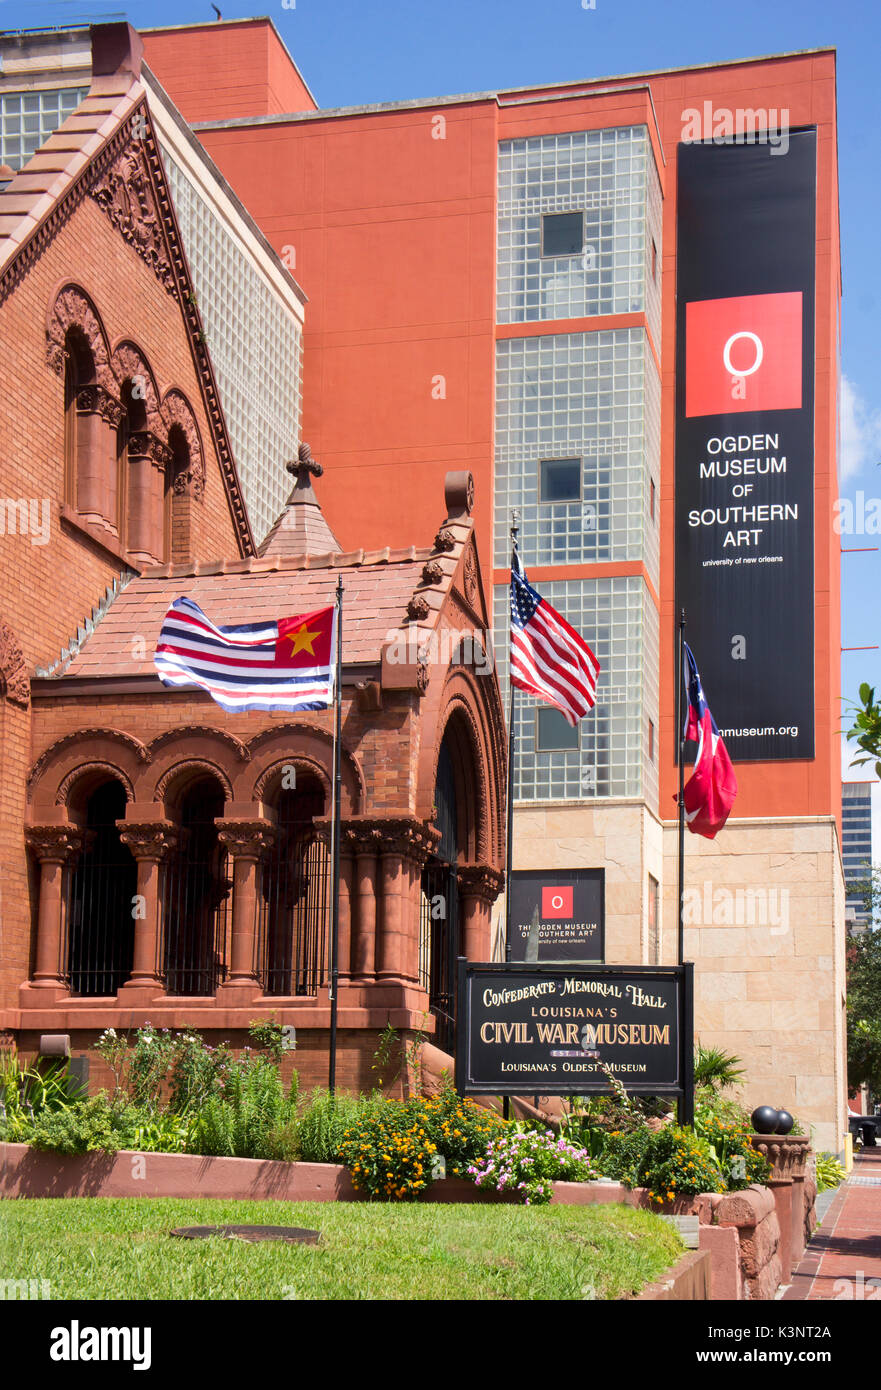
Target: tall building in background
(856, 848)
(251, 307)
(615, 301)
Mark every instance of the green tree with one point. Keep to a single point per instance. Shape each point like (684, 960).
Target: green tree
(864, 1004)
(866, 728)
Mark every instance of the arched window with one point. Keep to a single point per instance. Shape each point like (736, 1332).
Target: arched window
(439, 919)
(180, 495)
(197, 891)
(101, 902)
(79, 371)
(144, 460)
(294, 894)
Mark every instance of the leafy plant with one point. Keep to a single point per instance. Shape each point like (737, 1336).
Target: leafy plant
(322, 1121)
(28, 1091)
(715, 1068)
(830, 1173)
(866, 728)
(268, 1033)
(677, 1162)
(251, 1106)
(527, 1162)
(99, 1123)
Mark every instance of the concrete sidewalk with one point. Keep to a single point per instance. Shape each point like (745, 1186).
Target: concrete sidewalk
(843, 1261)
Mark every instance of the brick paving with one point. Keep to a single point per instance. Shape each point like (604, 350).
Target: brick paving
(843, 1261)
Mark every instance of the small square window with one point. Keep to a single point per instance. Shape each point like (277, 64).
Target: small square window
(552, 732)
(562, 233)
(560, 480)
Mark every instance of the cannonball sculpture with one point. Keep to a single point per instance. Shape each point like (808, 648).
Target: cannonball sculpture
(765, 1119)
(784, 1122)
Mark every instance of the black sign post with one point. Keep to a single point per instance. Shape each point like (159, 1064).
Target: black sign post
(550, 1030)
(746, 226)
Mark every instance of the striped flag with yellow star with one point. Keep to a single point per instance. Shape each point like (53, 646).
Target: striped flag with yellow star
(284, 665)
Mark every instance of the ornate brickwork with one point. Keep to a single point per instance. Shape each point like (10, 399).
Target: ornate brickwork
(13, 671)
(125, 192)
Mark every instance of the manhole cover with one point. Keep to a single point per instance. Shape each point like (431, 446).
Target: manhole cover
(291, 1235)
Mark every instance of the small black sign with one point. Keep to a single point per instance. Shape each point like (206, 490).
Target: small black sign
(549, 1030)
(557, 915)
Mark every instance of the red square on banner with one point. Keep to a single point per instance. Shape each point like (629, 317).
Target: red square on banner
(557, 903)
(743, 354)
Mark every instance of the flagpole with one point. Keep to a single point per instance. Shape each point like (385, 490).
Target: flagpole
(680, 747)
(335, 910)
(512, 744)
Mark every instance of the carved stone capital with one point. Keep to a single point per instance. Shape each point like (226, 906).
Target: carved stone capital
(412, 839)
(245, 839)
(148, 839)
(54, 844)
(95, 400)
(143, 444)
(13, 670)
(480, 881)
(786, 1153)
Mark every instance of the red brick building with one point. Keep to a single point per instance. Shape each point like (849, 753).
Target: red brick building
(164, 859)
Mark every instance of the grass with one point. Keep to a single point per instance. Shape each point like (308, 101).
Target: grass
(93, 1248)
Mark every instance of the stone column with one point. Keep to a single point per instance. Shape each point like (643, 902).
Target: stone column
(54, 846)
(149, 842)
(479, 886)
(787, 1154)
(98, 416)
(406, 844)
(247, 841)
(148, 459)
(362, 954)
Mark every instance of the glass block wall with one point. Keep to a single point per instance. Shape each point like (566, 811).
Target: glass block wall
(27, 119)
(607, 174)
(575, 395)
(256, 349)
(611, 615)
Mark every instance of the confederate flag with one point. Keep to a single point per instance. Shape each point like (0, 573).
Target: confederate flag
(710, 790)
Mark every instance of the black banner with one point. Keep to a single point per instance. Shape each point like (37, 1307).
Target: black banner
(557, 915)
(549, 1030)
(745, 436)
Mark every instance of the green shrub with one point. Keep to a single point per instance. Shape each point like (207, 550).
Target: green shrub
(678, 1163)
(728, 1137)
(322, 1122)
(96, 1124)
(622, 1154)
(250, 1106)
(388, 1151)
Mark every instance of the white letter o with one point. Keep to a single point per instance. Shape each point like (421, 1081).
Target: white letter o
(726, 354)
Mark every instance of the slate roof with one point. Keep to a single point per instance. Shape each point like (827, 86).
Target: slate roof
(377, 587)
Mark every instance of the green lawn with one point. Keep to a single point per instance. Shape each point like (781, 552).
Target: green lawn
(120, 1249)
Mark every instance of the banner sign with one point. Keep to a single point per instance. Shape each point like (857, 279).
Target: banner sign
(550, 1030)
(557, 915)
(745, 437)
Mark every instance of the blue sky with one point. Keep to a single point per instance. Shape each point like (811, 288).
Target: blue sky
(356, 51)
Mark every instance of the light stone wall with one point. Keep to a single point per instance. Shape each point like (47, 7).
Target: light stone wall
(764, 924)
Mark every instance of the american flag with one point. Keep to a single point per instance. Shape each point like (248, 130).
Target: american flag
(548, 658)
(287, 665)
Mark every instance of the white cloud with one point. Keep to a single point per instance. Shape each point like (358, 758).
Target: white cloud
(860, 432)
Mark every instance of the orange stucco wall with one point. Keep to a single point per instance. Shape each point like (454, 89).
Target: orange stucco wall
(392, 235)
